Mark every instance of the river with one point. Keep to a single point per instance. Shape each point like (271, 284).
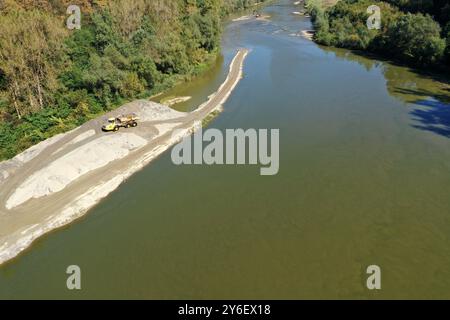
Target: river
(364, 180)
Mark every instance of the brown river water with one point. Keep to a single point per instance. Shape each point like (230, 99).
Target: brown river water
(364, 180)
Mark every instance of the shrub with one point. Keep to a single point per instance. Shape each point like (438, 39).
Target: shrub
(416, 37)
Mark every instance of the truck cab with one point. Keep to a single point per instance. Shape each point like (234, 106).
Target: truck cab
(111, 125)
(127, 121)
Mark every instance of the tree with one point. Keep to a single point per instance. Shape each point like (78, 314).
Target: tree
(30, 52)
(447, 37)
(417, 37)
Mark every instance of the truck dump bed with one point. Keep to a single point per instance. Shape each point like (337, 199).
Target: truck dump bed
(128, 118)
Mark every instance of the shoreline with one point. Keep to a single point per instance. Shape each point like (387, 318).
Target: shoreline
(308, 34)
(82, 194)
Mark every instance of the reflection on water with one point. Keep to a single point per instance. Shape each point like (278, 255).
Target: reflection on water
(427, 94)
(199, 88)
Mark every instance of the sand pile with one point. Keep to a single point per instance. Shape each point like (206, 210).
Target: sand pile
(35, 150)
(151, 111)
(83, 136)
(166, 127)
(94, 165)
(173, 101)
(8, 167)
(58, 174)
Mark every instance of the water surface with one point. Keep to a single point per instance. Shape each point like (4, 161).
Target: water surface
(364, 179)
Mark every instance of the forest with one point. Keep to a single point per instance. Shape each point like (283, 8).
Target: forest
(416, 32)
(53, 79)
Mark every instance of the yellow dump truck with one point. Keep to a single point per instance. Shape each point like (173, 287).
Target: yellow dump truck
(123, 121)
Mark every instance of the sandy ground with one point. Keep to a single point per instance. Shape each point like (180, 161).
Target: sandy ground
(252, 17)
(243, 18)
(173, 101)
(307, 34)
(60, 179)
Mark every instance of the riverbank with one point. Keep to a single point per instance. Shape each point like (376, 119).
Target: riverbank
(420, 38)
(60, 179)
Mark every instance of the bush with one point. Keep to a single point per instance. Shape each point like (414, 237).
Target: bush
(411, 37)
(131, 85)
(416, 37)
(446, 34)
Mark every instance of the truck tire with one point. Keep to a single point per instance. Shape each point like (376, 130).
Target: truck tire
(116, 128)
(134, 124)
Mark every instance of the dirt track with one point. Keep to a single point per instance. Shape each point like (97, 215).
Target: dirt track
(24, 223)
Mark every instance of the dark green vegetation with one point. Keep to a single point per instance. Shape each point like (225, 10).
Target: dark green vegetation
(53, 79)
(416, 32)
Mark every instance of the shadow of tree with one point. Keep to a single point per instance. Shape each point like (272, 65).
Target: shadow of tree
(428, 90)
(426, 94)
(434, 116)
(432, 108)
